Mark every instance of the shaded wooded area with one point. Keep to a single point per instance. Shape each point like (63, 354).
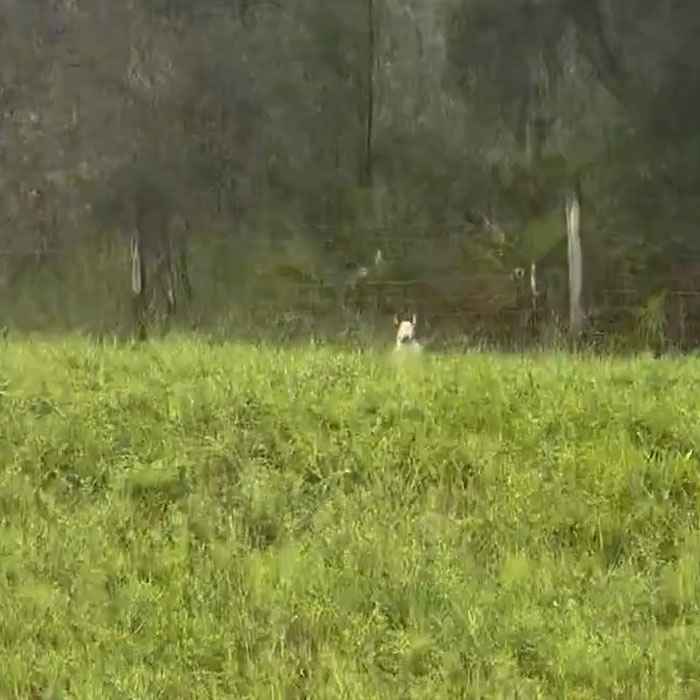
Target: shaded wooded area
(309, 167)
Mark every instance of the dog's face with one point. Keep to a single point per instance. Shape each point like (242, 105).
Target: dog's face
(405, 330)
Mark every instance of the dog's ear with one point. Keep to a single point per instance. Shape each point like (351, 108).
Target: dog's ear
(396, 321)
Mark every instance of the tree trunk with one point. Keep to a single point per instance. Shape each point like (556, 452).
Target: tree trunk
(682, 337)
(138, 285)
(534, 293)
(183, 271)
(573, 232)
(368, 165)
(534, 136)
(170, 293)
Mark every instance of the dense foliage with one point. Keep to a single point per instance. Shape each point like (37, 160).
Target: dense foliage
(296, 139)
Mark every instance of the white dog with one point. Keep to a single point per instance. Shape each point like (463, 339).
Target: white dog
(406, 335)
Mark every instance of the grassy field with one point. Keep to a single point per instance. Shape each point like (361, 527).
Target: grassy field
(184, 520)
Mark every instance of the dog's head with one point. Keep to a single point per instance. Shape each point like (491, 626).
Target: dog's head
(405, 330)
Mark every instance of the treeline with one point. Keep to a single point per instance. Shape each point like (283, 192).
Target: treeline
(294, 165)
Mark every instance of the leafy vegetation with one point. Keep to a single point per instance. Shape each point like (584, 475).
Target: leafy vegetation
(257, 151)
(192, 520)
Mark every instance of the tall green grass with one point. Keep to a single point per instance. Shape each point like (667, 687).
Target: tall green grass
(183, 520)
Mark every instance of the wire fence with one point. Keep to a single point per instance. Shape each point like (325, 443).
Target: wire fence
(490, 302)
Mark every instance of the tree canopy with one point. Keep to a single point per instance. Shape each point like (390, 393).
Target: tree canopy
(444, 133)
